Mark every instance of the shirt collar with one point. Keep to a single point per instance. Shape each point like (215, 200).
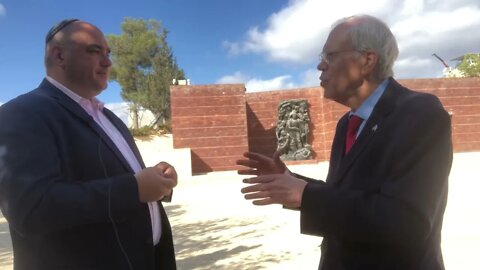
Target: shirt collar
(366, 109)
(93, 102)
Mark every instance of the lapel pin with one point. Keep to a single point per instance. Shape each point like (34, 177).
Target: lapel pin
(374, 128)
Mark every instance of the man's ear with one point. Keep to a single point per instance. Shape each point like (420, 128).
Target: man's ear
(371, 60)
(57, 55)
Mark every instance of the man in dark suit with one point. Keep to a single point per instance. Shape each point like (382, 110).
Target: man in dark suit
(73, 185)
(382, 204)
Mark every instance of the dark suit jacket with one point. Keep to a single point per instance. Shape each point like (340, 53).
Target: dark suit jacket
(63, 180)
(382, 204)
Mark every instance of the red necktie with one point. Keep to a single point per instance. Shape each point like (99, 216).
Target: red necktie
(353, 125)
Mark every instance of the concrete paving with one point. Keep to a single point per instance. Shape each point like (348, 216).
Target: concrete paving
(215, 228)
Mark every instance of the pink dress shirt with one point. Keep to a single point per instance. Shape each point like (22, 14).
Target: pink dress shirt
(95, 109)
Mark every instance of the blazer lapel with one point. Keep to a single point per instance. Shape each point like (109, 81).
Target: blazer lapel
(383, 108)
(72, 106)
(338, 148)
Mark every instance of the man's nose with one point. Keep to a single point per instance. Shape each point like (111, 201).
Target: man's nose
(106, 62)
(322, 66)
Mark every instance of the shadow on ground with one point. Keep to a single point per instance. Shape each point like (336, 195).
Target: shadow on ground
(227, 243)
(6, 254)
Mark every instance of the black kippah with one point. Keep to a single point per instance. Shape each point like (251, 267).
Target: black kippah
(56, 28)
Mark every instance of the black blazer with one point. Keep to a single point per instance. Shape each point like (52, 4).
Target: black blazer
(63, 180)
(382, 204)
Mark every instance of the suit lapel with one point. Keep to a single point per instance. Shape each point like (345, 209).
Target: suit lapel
(383, 108)
(74, 108)
(338, 148)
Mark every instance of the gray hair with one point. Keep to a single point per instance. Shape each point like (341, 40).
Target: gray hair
(371, 33)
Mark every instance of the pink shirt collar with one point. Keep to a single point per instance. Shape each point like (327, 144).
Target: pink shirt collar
(93, 102)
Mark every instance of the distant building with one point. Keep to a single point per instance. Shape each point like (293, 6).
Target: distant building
(145, 118)
(122, 110)
(181, 82)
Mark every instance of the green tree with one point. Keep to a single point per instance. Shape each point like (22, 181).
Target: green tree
(470, 65)
(144, 66)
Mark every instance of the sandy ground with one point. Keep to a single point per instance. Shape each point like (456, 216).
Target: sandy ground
(215, 228)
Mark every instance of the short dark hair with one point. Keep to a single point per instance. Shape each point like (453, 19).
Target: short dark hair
(57, 28)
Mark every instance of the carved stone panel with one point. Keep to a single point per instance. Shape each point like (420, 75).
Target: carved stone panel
(293, 130)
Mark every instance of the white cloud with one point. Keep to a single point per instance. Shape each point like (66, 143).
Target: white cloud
(310, 77)
(256, 84)
(120, 109)
(281, 82)
(296, 34)
(3, 10)
(416, 67)
(237, 77)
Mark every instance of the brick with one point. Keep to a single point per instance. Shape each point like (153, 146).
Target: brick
(224, 118)
(208, 121)
(464, 109)
(430, 84)
(209, 132)
(466, 119)
(464, 100)
(265, 114)
(188, 102)
(194, 143)
(221, 161)
(466, 137)
(265, 106)
(224, 151)
(207, 90)
(218, 110)
(468, 128)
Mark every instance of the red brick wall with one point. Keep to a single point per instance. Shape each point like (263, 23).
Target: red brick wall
(211, 121)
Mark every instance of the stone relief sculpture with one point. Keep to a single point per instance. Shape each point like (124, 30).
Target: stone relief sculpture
(293, 130)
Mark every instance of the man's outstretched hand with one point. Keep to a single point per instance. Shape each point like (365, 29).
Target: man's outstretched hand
(259, 164)
(273, 183)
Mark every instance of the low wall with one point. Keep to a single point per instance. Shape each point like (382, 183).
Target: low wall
(220, 122)
(211, 121)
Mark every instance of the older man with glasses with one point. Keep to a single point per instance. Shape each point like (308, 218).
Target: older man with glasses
(382, 204)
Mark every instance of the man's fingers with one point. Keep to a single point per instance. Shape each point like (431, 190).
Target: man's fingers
(162, 165)
(248, 163)
(261, 179)
(265, 201)
(169, 182)
(171, 173)
(256, 195)
(253, 188)
(256, 156)
(166, 169)
(276, 156)
(248, 172)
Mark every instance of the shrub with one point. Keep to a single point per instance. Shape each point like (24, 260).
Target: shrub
(147, 131)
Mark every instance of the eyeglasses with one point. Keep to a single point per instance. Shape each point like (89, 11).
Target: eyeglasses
(328, 57)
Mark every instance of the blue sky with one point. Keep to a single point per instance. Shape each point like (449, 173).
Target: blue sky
(197, 30)
(266, 44)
